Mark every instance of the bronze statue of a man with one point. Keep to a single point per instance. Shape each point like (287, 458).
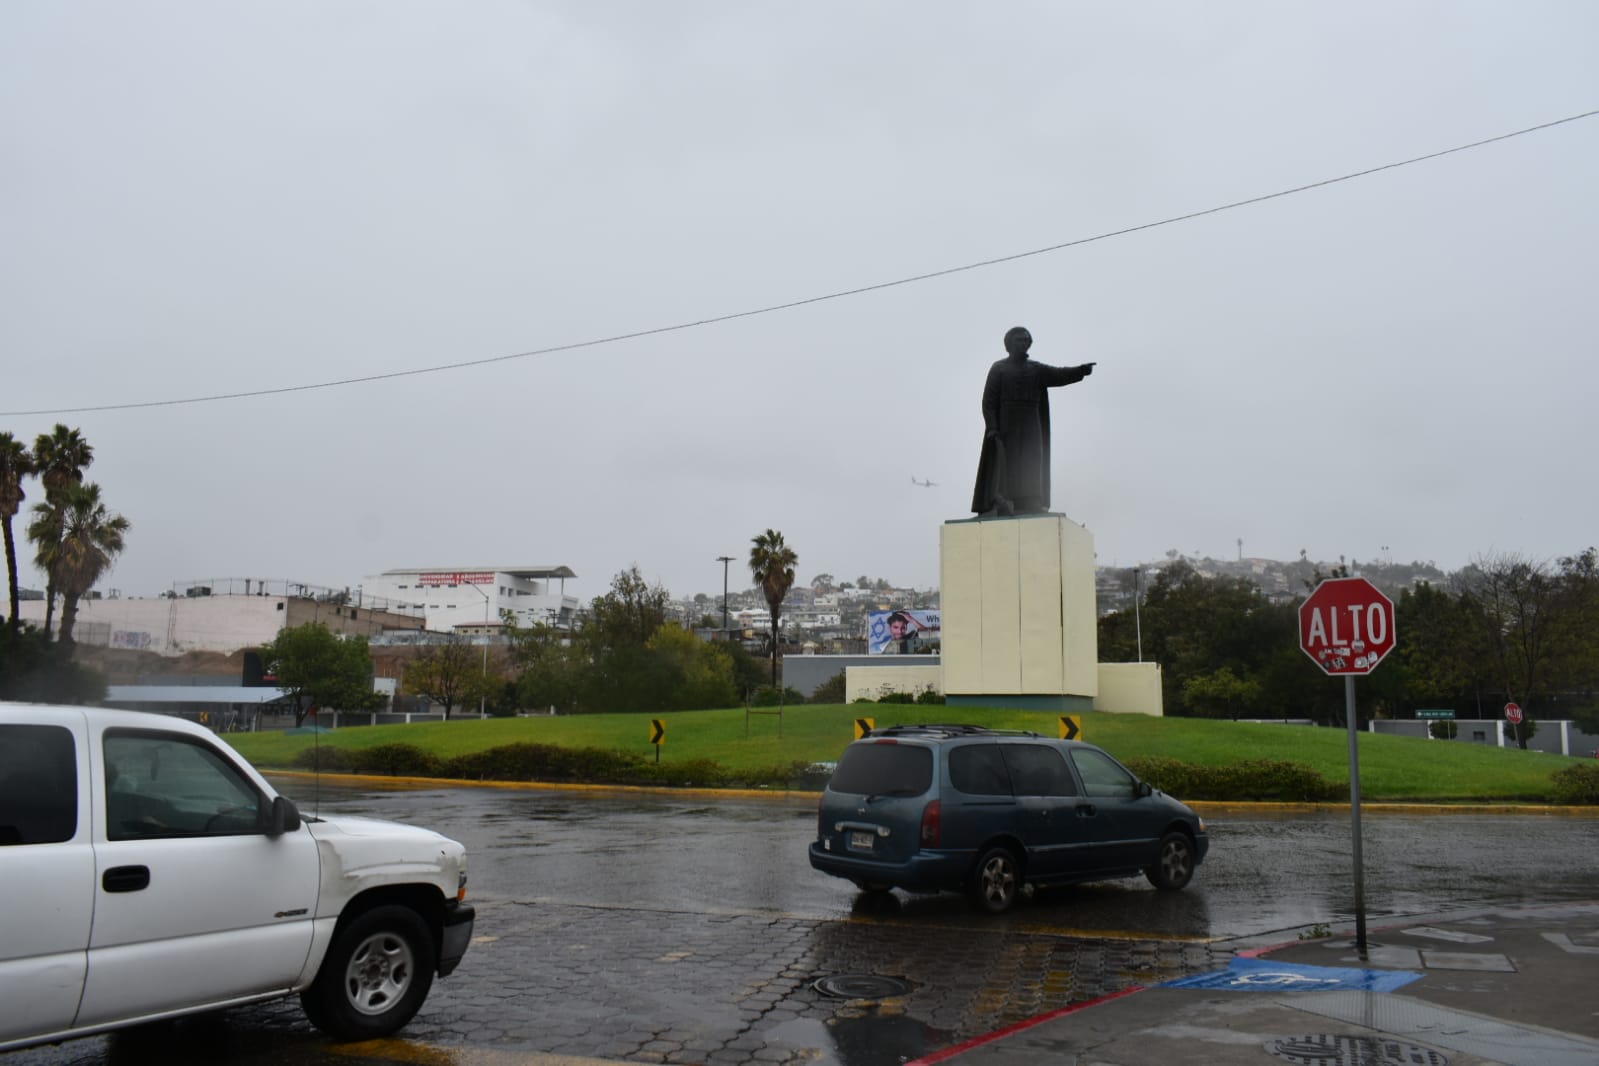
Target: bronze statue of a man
(1013, 472)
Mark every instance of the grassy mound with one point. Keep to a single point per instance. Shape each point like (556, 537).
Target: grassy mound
(1202, 759)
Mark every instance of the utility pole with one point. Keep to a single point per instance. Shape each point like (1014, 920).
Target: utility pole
(482, 702)
(1138, 620)
(724, 560)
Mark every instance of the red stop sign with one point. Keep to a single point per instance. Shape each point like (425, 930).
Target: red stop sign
(1513, 713)
(1346, 625)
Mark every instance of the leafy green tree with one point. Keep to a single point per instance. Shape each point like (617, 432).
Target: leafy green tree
(451, 674)
(748, 674)
(549, 669)
(1194, 625)
(1442, 648)
(772, 564)
(16, 463)
(33, 670)
(77, 539)
(317, 669)
(59, 459)
(1221, 694)
(629, 614)
(1577, 667)
(701, 673)
(1519, 604)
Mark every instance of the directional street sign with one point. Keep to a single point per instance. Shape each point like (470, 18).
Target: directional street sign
(657, 731)
(864, 726)
(1071, 727)
(1346, 626)
(1446, 713)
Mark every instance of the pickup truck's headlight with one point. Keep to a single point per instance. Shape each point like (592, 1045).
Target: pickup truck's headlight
(460, 889)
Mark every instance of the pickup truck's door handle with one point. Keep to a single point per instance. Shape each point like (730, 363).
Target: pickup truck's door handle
(126, 879)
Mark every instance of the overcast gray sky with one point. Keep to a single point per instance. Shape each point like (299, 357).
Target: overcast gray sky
(199, 199)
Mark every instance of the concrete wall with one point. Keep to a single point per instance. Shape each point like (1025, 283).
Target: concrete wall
(876, 681)
(1130, 688)
(804, 673)
(1018, 608)
(1555, 736)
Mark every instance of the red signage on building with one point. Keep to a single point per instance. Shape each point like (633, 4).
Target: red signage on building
(480, 577)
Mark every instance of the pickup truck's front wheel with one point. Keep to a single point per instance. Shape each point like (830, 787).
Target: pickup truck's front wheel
(375, 976)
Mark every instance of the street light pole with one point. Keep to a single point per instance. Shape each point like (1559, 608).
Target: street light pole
(724, 560)
(1138, 621)
(483, 693)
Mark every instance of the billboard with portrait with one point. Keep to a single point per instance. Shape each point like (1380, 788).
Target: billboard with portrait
(902, 632)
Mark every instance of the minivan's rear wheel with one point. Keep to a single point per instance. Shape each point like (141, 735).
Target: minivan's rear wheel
(995, 880)
(374, 977)
(1174, 862)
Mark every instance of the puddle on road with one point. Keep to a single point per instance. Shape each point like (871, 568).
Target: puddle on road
(873, 1035)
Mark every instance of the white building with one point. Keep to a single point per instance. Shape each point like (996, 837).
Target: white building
(222, 615)
(477, 597)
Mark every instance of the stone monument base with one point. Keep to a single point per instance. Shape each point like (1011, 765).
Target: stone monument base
(1020, 628)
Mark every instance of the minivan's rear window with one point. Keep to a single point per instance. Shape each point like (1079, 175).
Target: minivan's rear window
(884, 770)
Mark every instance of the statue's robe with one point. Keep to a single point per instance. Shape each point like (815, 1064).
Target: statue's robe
(1013, 469)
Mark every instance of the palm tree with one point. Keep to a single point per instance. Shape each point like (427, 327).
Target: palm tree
(59, 458)
(76, 538)
(15, 464)
(772, 562)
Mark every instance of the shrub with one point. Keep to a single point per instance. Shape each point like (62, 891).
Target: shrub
(767, 696)
(545, 762)
(929, 696)
(1260, 779)
(1577, 785)
(330, 760)
(396, 760)
(830, 691)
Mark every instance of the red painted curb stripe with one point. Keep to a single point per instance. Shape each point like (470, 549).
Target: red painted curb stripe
(1000, 1034)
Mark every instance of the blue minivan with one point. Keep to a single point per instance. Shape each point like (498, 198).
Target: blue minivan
(928, 808)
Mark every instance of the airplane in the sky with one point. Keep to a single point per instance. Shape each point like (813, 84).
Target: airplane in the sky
(924, 484)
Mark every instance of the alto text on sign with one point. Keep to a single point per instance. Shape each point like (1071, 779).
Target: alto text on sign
(1346, 625)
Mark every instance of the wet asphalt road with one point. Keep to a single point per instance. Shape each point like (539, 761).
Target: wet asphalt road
(677, 928)
(1267, 871)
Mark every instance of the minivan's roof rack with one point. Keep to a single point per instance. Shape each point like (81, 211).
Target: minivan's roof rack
(950, 730)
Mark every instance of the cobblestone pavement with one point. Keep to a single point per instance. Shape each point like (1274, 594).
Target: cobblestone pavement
(723, 989)
(652, 986)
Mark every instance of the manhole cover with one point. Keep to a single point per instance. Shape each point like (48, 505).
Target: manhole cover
(1322, 1049)
(861, 986)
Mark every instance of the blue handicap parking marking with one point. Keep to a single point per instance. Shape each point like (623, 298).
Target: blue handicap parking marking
(1259, 975)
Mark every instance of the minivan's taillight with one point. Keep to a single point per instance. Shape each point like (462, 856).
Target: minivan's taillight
(932, 825)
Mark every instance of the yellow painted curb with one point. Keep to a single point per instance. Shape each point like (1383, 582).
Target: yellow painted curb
(1215, 808)
(380, 781)
(1206, 808)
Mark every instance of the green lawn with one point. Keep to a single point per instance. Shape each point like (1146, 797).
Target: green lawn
(1391, 768)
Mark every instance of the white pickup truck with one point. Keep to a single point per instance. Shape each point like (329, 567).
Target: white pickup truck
(147, 871)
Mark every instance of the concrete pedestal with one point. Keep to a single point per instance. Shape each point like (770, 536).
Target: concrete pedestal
(1020, 628)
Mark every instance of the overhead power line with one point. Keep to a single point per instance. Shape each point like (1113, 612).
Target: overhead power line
(791, 304)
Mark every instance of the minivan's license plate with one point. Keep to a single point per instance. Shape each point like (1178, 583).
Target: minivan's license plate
(860, 840)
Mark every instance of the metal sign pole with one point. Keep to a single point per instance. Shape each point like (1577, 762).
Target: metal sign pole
(1354, 815)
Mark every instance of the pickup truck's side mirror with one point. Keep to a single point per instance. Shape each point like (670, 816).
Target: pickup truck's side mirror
(284, 817)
